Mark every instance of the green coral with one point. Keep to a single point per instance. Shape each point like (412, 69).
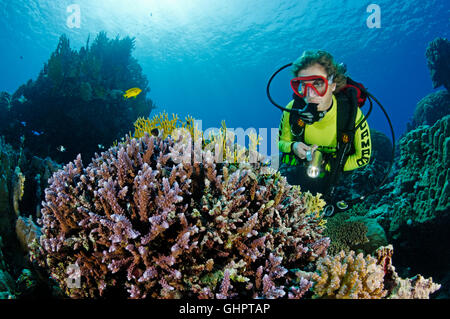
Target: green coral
(422, 183)
(7, 284)
(345, 234)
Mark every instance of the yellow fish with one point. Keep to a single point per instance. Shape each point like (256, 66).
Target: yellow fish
(132, 92)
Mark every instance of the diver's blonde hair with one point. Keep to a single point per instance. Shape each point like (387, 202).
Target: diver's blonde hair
(325, 59)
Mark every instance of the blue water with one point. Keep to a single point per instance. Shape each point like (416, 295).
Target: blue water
(211, 59)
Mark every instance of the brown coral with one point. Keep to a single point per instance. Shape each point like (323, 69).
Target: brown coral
(346, 276)
(18, 182)
(27, 231)
(139, 225)
(365, 277)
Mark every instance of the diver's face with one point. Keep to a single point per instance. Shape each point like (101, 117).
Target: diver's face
(323, 102)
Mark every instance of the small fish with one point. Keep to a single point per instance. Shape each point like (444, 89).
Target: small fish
(21, 57)
(61, 148)
(36, 133)
(100, 146)
(23, 123)
(133, 92)
(22, 99)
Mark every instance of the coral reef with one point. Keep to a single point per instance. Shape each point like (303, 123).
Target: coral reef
(27, 232)
(10, 288)
(138, 221)
(7, 284)
(18, 182)
(438, 61)
(164, 125)
(422, 181)
(136, 224)
(376, 235)
(8, 160)
(416, 287)
(420, 188)
(346, 276)
(413, 208)
(83, 91)
(21, 182)
(19, 195)
(345, 235)
(430, 109)
(221, 143)
(351, 276)
(363, 181)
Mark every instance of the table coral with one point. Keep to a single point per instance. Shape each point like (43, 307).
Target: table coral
(136, 224)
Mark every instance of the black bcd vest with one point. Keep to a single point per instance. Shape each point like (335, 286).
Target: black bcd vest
(347, 106)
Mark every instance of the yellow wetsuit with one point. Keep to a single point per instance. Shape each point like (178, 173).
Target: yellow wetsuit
(324, 132)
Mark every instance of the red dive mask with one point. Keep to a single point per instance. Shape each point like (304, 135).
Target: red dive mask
(317, 83)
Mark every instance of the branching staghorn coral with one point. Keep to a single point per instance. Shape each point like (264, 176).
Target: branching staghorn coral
(221, 143)
(166, 126)
(137, 224)
(314, 204)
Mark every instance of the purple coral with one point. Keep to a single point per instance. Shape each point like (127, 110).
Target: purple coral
(138, 225)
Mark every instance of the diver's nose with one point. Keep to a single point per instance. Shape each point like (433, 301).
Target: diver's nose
(310, 92)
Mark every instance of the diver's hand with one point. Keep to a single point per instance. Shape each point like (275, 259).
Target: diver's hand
(300, 149)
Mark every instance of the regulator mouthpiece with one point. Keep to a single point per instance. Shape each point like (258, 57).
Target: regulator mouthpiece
(314, 167)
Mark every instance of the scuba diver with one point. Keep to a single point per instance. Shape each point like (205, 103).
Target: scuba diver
(322, 130)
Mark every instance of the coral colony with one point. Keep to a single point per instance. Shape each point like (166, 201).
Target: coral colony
(136, 224)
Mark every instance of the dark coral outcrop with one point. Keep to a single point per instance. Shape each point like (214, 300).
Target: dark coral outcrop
(438, 61)
(76, 104)
(430, 109)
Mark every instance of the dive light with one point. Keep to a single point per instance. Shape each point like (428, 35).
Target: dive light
(315, 164)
